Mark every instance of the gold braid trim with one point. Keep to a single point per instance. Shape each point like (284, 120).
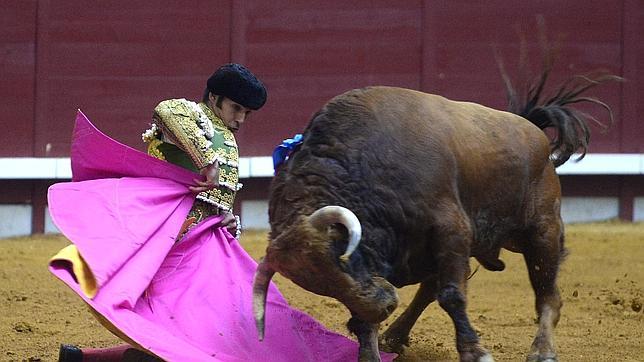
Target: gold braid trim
(153, 149)
(221, 198)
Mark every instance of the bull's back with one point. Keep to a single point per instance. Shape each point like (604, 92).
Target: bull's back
(417, 124)
(420, 144)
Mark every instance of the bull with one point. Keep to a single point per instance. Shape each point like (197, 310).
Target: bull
(393, 187)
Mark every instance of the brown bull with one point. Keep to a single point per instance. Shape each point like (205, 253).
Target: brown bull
(393, 187)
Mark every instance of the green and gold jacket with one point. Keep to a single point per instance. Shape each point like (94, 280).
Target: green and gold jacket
(190, 135)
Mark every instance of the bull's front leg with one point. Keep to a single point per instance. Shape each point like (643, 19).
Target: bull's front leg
(397, 334)
(367, 334)
(452, 254)
(469, 348)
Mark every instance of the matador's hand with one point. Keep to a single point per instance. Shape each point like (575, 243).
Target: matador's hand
(212, 179)
(230, 222)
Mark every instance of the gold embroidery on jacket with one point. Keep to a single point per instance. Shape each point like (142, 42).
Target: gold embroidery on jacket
(153, 149)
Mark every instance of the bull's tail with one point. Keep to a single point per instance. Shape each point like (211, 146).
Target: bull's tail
(571, 126)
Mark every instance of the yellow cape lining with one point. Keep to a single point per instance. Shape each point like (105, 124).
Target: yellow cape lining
(82, 273)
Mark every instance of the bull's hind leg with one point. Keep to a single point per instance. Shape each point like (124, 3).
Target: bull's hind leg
(542, 256)
(397, 334)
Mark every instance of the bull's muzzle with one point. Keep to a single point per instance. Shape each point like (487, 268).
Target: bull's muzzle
(374, 303)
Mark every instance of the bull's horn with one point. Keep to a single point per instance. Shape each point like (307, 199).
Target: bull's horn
(329, 215)
(262, 278)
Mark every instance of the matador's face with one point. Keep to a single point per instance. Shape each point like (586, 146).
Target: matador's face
(232, 113)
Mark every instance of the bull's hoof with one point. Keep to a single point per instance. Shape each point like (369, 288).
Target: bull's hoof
(537, 358)
(475, 355)
(393, 344)
(369, 358)
(368, 355)
(486, 358)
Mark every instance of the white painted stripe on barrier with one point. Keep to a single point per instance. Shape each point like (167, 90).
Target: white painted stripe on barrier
(35, 168)
(60, 168)
(244, 167)
(261, 167)
(604, 164)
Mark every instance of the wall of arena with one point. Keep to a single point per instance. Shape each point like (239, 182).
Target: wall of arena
(116, 60)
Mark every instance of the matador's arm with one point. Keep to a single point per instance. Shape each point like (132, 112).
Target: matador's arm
(182, 123)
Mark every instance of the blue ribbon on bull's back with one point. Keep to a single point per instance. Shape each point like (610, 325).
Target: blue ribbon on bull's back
(283, 150)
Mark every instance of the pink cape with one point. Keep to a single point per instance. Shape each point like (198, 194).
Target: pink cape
(184, 301)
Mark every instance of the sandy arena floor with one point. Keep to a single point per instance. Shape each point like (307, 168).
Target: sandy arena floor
(602, 283)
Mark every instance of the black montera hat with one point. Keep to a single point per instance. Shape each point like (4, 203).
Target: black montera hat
(236, 82)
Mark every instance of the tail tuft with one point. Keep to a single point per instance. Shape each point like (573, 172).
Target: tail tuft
(572, 133)
(571, 126)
